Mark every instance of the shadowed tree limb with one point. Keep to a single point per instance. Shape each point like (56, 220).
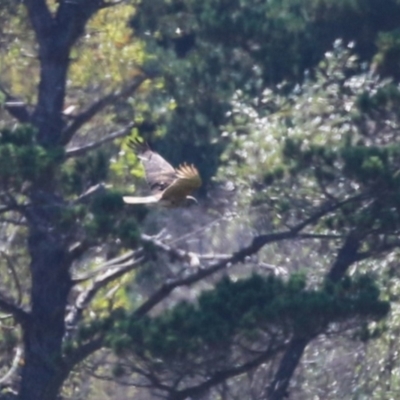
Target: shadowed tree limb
(256, 245)
(223, 375)
(158, 296)
(79, 151)
(98, 106)
(18, 313)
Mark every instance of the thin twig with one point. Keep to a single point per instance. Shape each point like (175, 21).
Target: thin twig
(79, 151)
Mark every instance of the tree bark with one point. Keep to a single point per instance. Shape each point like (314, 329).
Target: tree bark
(48, 117)
(43, 371)
(51, 283)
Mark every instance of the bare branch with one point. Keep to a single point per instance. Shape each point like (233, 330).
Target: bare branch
(79, 151)
(81, 353)
(14, 366)
(112, 273)
(193, 259)
(106, 266)
(77, 250)
(318, 236)
(9, 307)
(99, 105)
(168, 287)
(15, 107)
(257, 244)
(199, 230)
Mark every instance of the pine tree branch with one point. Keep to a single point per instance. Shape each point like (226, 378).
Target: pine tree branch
(238, 257)
(99, 105)
(257, 244)
(117, 270)
(79, 151)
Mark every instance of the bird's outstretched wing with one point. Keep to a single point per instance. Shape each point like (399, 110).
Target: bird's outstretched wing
(170, 187)
(187, 180)
(159, 173)
(140, 200)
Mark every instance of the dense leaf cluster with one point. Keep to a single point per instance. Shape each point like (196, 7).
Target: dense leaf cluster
(258, 309)
(23, 160)
(205, 51)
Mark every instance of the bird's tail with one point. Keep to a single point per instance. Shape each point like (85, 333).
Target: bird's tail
(140, 200)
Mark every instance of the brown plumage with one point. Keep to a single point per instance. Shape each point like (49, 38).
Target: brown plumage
(170, 187)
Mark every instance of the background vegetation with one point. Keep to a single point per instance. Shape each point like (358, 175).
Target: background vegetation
(282, 282)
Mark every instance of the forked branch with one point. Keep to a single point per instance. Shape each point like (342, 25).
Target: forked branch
(99, 105)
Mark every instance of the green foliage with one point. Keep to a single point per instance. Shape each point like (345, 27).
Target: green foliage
(207, 51)
(324, 142)
(79, 174)
(23, 160)
(249, 306)
(325, 138)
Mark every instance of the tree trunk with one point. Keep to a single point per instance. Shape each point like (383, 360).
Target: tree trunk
(278, 389)
(51, 283)
(43, 370)
(48, 116)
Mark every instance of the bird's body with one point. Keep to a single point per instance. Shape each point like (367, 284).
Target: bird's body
(170, 187)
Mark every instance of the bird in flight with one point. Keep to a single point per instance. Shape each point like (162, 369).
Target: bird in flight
(170, 186)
